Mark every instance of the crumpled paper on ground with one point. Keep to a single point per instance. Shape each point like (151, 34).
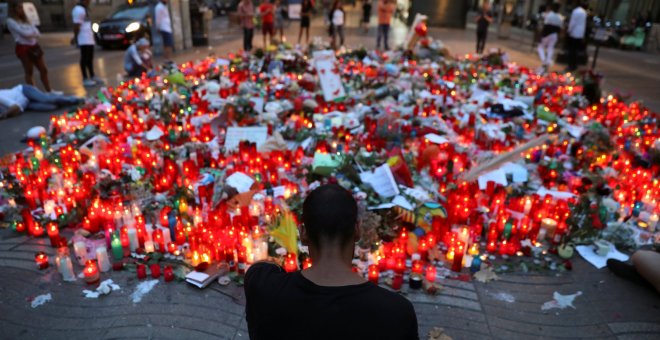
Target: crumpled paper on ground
(560, 301)
(104, 288)
(41, 299)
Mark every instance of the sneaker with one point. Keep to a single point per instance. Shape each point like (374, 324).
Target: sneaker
(98, 80)
(88, 83)
(57, 93)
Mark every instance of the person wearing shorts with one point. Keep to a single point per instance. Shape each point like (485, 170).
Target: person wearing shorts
(164, 25)
(305, 18)
(267, 12)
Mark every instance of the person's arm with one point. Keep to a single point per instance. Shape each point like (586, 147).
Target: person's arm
(571, 23)
(77, 22)
(488, 17)
(24, 32)
(135, 55)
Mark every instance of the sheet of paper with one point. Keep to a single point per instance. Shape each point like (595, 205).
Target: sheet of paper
(403, 202)
(517, 171)
(418, 193)
(381, 180)
(331, 84)
(381, 206)
(254, 134)
(240, 181)
(498, 176)
(589, 254)
(437, 139)
(554, 193)
(258, 104)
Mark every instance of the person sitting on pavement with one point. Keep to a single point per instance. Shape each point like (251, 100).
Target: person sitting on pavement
(644, 270)
(28, 97)
(327, 300)
(137, 58)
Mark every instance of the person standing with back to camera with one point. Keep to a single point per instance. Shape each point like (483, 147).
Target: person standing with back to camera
(327, 300)
(483, 21)
(83, 37)
(164, 25)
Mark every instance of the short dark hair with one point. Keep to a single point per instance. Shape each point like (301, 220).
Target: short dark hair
(555, 7)
(330, 213)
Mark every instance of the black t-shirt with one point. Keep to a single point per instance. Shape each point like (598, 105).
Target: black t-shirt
(482, 23)
(284, 305)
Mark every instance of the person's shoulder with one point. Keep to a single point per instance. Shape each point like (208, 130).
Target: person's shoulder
(261, 269)
(391, 300)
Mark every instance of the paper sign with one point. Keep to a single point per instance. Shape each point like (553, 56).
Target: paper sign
(381, 180)
(437, 139)
(403, 203)
(253, 134)
(331, 84)
(517, 171)
(598, 261)
(498, 176)
(561, 195)
(240, 181)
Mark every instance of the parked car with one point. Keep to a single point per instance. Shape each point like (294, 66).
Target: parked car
(127, 24)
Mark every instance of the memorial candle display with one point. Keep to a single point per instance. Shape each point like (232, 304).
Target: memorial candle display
(144, 167)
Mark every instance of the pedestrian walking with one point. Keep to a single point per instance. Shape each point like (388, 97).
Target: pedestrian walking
(329, 291)
(267, 13)
(338, 17)
(246, 16)
(305, 20)
(552, 24)
(164, 25)
(366, 15)
(84, 39)
(576, 29)
(137, 58)
(27, 48)
(281, 13)
(483, 20)
(385, 13)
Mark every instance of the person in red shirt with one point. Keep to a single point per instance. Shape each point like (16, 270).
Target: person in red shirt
(267, 12)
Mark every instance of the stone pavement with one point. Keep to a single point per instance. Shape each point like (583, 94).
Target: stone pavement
(509, 308)
(506, 309)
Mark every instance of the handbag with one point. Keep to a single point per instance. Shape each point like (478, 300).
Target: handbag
(35, 52)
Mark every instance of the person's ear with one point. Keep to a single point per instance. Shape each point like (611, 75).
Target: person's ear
(304, 238)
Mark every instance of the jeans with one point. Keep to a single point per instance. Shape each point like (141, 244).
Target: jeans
(574, 46)
(481, 40)
(41, 101)
(339, 30)
(383, 32)
(248, 34)
(136, 71)
(547, 48)
(87, 61)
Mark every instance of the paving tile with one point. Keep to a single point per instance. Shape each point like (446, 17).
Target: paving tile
(550, 330)
(635, 327)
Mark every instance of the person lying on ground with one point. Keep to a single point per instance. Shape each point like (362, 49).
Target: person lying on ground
(30, 98)
(644, 270)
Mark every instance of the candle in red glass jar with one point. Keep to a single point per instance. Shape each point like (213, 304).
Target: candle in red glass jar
(290, 263)
(172, 248)
(159, 240)
(41, 259)
(458, 257)
(37, 230)
(91, 272)
(168, 273)
(54, 234)
(397, 281)
(373, 273)
(417, 267)
(141, 271)
(307, 263)
(155, 270)
(400, 265)
(431, 273)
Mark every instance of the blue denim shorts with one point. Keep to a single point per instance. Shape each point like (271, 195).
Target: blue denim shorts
(168, 39)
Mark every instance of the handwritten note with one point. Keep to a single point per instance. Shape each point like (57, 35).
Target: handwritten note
(253, 134)
(381, 180)
(331, 84)
(240, 181)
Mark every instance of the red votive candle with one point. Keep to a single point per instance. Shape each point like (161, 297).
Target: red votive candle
(41, 259)
(155, 270)
(91, 272)
(54, 234)
(168, 273)
(373, 273)
(290, 263)
(141, 271)
(430, 273)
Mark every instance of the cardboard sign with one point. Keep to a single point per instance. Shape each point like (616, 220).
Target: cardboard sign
(31, 13)
(253, 134)
(331, 84)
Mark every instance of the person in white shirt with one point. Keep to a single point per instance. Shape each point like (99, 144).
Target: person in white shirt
(27, 49)
(28, 97)
(164, 25)
(137, 58)
(576, 29)
(84, 39)
(338, 17)
(552, 24)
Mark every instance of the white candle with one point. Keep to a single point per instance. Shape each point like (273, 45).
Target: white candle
(653, 221)
(149, 246)
(66, 269)
(549, 225)
(80, 249)
(133, 241)
(542, 234)
(528, 206)
(102, 258)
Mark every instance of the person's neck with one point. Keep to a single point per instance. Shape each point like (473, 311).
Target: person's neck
(332, 267)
